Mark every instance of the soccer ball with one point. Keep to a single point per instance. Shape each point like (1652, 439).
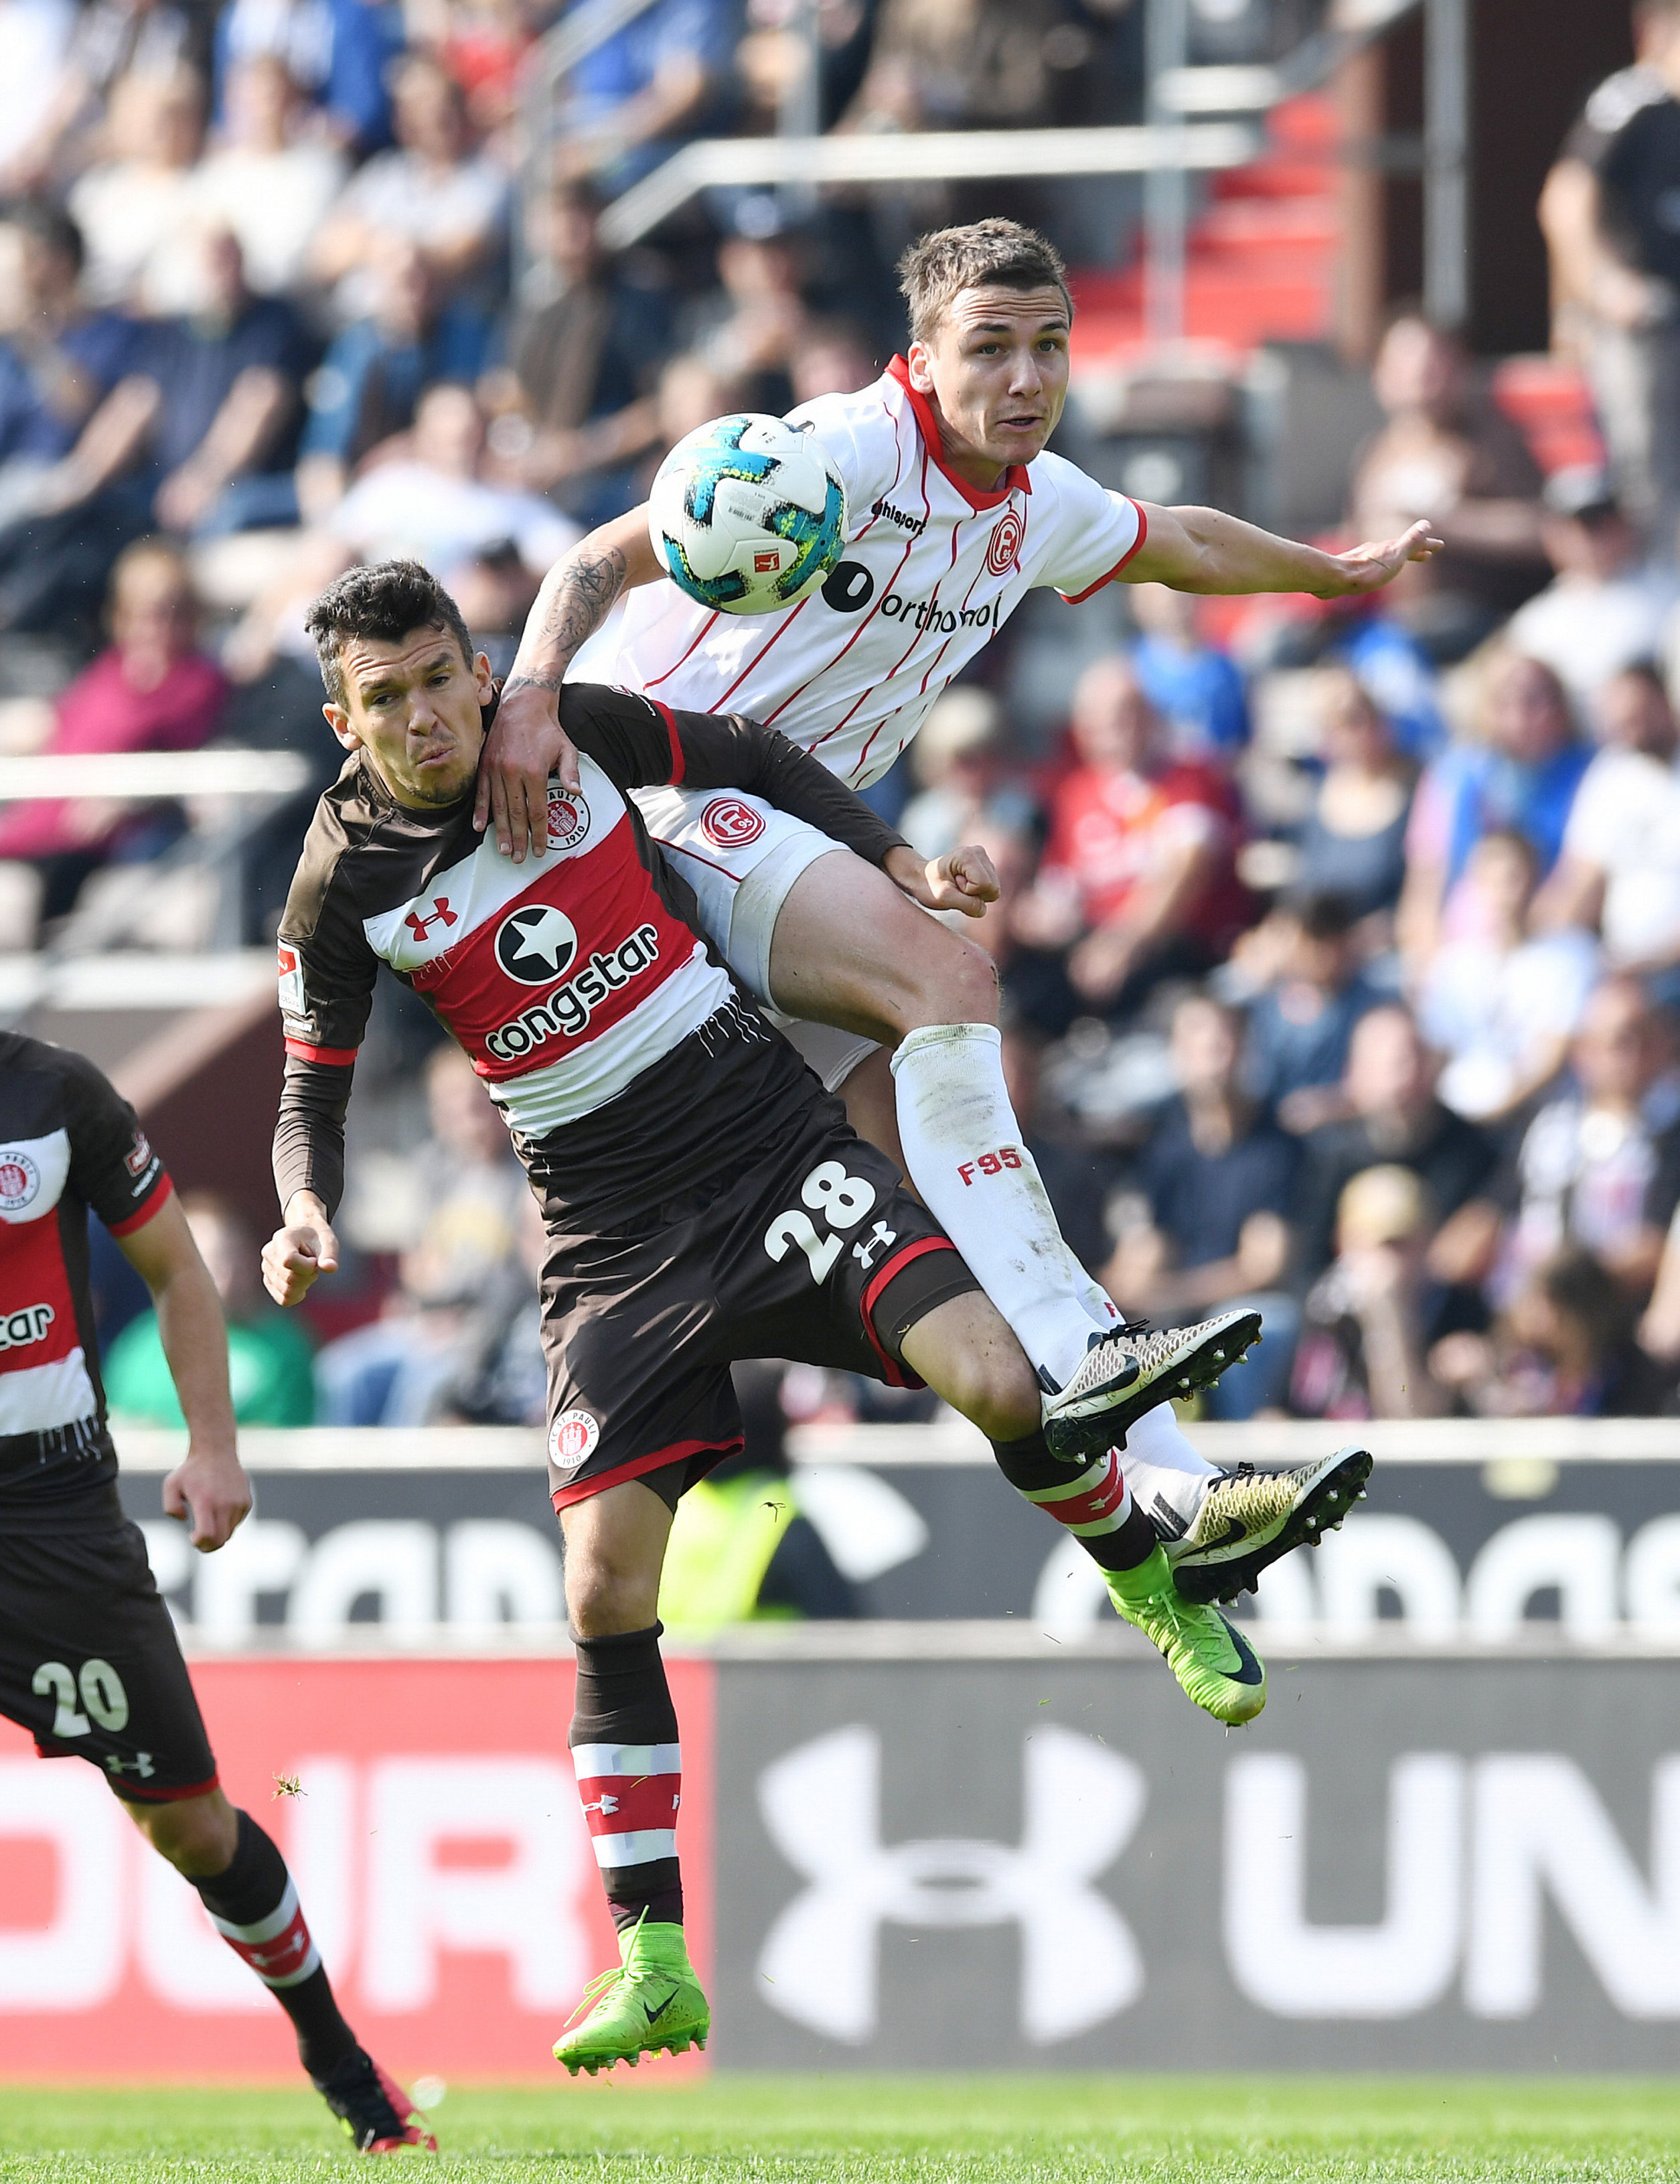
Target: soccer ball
(748, 514)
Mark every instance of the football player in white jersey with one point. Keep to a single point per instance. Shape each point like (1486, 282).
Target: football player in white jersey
(955, 512)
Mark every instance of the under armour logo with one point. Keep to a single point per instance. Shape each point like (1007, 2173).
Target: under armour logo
(606, 1805)
(880, 1239)
(141, 1764)
(822, 1807)
(440, 915)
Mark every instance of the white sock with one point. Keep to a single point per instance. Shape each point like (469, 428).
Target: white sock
(1166, 1476)
(963, 1149)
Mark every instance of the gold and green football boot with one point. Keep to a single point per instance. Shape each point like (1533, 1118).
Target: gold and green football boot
(1216, 1664)
(649, 2003)
(1250, 1519)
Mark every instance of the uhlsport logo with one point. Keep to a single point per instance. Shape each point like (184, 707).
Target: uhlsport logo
(1006, 543)
(20, 1181)
(730, 823)
(568, 817)
(572, 1440)
(535, 944)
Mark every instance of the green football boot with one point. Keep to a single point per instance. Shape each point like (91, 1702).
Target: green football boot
(651, 2001)
(1209, 1657)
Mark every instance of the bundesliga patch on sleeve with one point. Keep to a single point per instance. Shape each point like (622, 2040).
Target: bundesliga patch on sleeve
(138, 1158)
(292, 997)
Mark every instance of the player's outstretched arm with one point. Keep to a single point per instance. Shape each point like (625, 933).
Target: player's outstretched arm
(297, 1255)
(1200, 549)
(527, 743)
(209, 1491)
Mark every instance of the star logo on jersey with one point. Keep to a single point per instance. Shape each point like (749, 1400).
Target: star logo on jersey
(535, 944)
(20, 1181)
(568, 817)
(1004, 544)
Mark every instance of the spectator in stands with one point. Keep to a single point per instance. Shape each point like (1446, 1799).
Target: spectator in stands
(467, 1196)
(1607, 608)
(58, 363)
(962, 787)
(575, 402)
(269, 1363)
(1195, 687)
(433, 190)
(1607, 211)
(374, 372)
(34, 36)
(1447, 452)
(1216, 1176)
(1370, 1318)
(1565, 1347)
(1138, 881)
(1501, 1006)
(647, 90)
(1303, 1018)
(753, 325)
(268, 181)
(1396, 1120)
(491, 544)
(1619, 872)
(230, 381)
(338, 51)
(1599, 1166)
(1352, 842)
(112, 39)
(135, 204)
(1521, 772)
(483, 44)
(151, 690)
(834, 357)
(1659, 1331)
(961, 64)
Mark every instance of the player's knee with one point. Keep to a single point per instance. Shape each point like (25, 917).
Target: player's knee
(198, 1836)
(603, 1597)
(957, 984)
(996, 1388)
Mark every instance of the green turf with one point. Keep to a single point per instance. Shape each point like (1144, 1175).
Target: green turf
(922, 2130)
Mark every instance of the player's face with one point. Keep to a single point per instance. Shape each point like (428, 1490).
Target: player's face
(997, 370)
(415, 706)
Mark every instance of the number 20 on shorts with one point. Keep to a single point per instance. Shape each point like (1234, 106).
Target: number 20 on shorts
(843, 1200)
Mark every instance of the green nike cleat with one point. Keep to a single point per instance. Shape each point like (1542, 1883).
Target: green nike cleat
(651, 2001)
(1249, 1520)
(1209, 1657)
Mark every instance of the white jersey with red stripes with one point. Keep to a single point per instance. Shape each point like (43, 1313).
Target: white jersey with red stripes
(931, 568)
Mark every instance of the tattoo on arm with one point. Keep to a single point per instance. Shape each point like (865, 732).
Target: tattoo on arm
(574, 601)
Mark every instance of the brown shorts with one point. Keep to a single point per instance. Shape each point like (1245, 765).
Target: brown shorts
(91, 1665)
(817, 1252)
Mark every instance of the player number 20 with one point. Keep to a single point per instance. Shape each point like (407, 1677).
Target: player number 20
(102, 1694)
(842, 1199)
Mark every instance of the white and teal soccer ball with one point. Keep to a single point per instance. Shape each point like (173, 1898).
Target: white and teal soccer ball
(748, 515)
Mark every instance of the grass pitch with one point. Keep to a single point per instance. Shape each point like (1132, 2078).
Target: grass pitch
(886, 2131)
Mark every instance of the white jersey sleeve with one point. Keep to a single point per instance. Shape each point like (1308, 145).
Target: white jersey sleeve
(1089, 533)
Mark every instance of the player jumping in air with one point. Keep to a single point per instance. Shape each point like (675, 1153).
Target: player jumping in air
(89, 1660)
(956, 513)
(705, 1199)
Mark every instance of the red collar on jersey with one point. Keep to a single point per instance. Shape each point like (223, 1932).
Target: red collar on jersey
(1015, 478)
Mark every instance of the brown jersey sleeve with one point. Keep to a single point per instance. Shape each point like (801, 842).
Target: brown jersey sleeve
(644, 744)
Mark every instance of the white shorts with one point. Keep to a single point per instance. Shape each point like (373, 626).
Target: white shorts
(742, 857)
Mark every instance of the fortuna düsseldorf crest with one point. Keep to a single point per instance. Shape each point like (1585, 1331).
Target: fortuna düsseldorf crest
(1006, 543)
(730, 823)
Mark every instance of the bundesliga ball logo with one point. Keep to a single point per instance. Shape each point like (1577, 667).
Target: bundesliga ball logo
(568, 818)
(729, 824)
(19, 1180)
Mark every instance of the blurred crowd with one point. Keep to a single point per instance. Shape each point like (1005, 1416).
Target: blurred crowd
(1340, 947)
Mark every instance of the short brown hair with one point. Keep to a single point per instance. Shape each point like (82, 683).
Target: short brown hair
(385, 601)
(991, 253)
